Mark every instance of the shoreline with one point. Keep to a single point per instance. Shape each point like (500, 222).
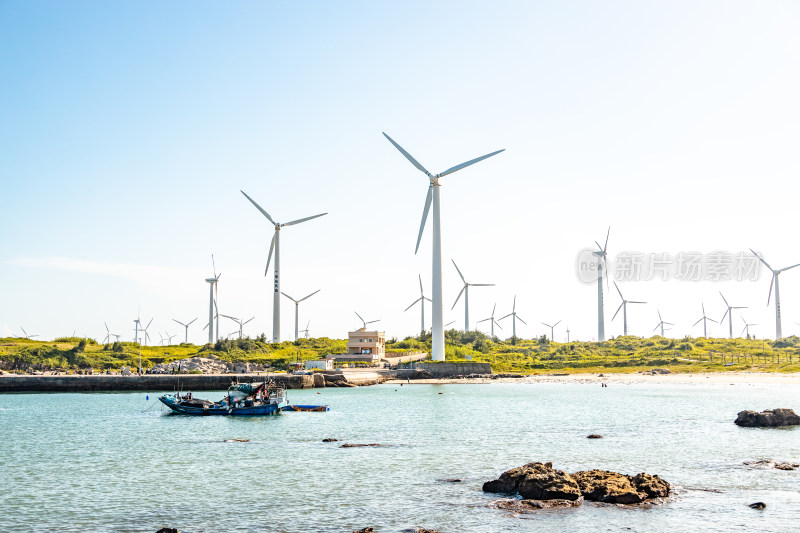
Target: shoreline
(760, 378)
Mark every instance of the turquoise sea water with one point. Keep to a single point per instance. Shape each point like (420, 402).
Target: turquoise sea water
(116, 462)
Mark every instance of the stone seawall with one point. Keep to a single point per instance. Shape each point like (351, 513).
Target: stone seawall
(147, 382)
(442, 370)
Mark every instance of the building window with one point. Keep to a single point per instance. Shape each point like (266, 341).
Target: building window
(370, 340)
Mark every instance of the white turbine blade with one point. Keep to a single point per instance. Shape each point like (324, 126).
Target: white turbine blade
(181, 323)
(557, 323)
(310, 295)
(600, 254)
(412, 305)
(659, 315)
(655, 328)
(421, 290)
(426, 298)
(148, 324)
(205, 327)
(723, 299)
(727, 310)
(359, 317)
(548, 325)
(190, 323)
(761, 259)
(787, 268)
(712, 320)
(704, 308)
(669, 323)
(468, 163)
(606, 245)
(620, 293)
(298, 221)
(213, 265)
(459, 271)
(257, 206)
(292, 299)
(520, 319)
(246, 321)
(618, 310)
(484, 320)
(508, 315)
(701, 318)
(771, 283)
(481, 284)
(498, 325)
(634, 302)
(228, 316)
(424, 216)
(458, 297)
(452, 322)
(514, 307)
(493, 308)
(269, 257)
(373, 321)
(408, 156)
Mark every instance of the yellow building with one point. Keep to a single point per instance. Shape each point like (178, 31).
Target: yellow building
(367, 343)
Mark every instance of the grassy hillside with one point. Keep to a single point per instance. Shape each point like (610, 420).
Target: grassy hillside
(622, 354)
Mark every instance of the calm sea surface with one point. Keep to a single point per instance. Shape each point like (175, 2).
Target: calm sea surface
(117, 462)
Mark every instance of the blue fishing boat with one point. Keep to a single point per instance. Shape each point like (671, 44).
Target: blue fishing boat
(242, 400)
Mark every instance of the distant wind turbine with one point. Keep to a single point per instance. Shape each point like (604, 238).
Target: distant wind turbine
(437, 329)
(364, 322)
(25, 334)
(305, 331)
(276, 245)
(746, 329)
(421, 301)
(240, 322)
(109, 334)
(552, 328)
(186, 328)
(514, 318)
(775, 281)
(144, 330)
(213, 292)
(465, 292)
(602, 263)
(491, 320)
(661, 323)
(624, 307)
(729, 314)
(296, 310)
(704, 318)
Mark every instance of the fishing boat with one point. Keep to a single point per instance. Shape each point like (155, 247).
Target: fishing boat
(258, 399)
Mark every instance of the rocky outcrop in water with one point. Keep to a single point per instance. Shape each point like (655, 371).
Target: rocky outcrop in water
(540, 481)
(766, 463)
(767, 419)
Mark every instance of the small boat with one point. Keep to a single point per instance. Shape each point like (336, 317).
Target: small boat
(308, 408)
(263, 399)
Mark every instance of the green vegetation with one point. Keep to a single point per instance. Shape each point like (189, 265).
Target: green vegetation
(622, 354)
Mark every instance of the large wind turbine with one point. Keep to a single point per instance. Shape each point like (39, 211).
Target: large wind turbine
(514, 318)
(602, 263)
(661, 323)
(421, 301)
(704, 318)
(624, 307)
(276, 245)
(465, 292)
(186, 327)
(729, 314)
(491, 320)
(437, 328)
(552, 328)
(212, 301)
(296, 310)
(775, 281)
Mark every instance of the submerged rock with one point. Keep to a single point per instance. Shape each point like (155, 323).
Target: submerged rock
(330, 440)
(365, 530)
(373, 445)
(766, 463)
(758, 505)
(236, 440)
(523, 506)
(167, 530)
(767, 419)
(449, 480)
(594, 436)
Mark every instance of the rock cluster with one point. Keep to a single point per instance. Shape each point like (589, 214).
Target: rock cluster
(540, 481)
(656, 371)
(206, 365)
(767, 419)
(765, 463)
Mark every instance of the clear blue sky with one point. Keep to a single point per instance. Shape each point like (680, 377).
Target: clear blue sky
(128, 128)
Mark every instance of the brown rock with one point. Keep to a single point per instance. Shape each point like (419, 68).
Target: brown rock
(769, 418)
(607, 487)
(594, 436)
(523, 506)
(373, 445)
(652, 486)
(536, 481)
(330, 440)
(758, 505)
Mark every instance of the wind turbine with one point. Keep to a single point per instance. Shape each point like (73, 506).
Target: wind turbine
(624, 307)
(161, 343)
(601, 264)
(421, 301)
(364, 321)
(514, 318)
(746, 327)
(241, 324)
(144, 330)
(25, 334)
(437, 328)
(552, 336)
(729, 314)
(465, 291)
(775, 281)
(296, 309)
(305, 331)
(109, 334)
(276, 245)
(491, 320)
(186, 327)
(704, 318)
(212, 301)
(661, 323)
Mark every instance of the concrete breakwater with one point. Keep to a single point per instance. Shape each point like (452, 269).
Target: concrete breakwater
(148, 382)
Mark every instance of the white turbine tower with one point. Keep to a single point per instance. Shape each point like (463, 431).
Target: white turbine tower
(465, 292)
(186, 328)
(552, 328)
(491, 320)
(661, 323)
(704, 318)
(514, 318)
(746, 327)
(775, 281)
(276, 245)
(602, 264)
(437, 328)
(624, 307)
(364, 322)
(296, 310)
(213, 291)
(729, 314)
(421, 301)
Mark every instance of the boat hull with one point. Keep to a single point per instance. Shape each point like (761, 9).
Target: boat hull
(216, 410)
